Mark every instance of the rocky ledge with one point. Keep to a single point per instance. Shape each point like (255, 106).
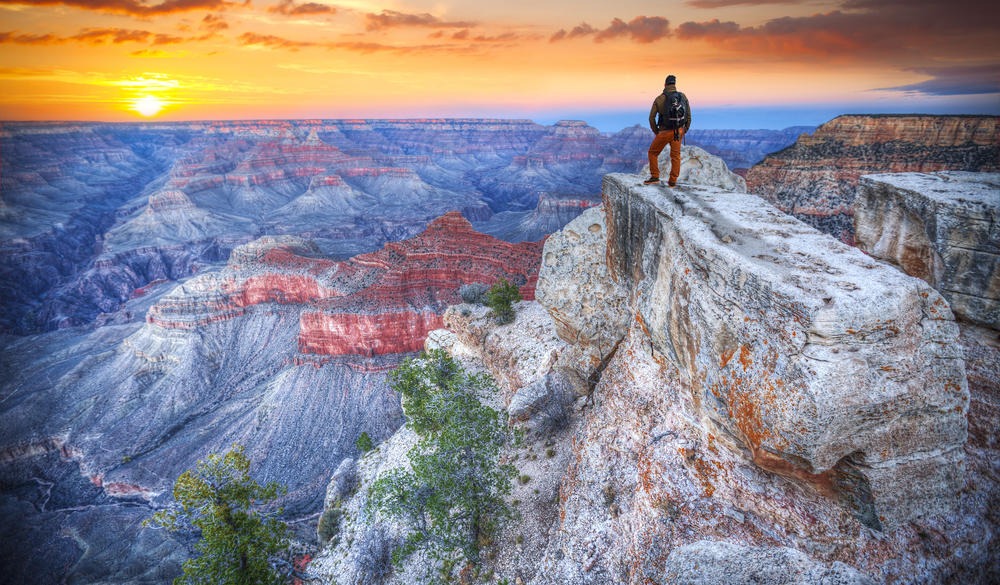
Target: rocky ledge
(943, 228)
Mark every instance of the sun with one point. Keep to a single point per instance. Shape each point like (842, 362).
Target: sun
(148, 105)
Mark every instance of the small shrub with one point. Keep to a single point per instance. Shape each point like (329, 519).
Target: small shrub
(328, 528)
(364, 443)
(373, 562)
(519, 539)
(524, 479)
(550, 452)
(501, 298)
(474, 293)
(609, 494)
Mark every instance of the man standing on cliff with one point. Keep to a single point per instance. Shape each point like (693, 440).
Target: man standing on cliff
(669, 118)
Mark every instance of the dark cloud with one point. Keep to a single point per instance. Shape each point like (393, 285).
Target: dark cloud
(131, 7)
(214, 23)
(291, 8)
(728, 3)
(904, 33)
(582, 30)
(393, 19)
(641, 29)
(712, 28)
(971, 80)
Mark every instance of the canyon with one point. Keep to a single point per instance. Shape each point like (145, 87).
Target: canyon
(170, 289)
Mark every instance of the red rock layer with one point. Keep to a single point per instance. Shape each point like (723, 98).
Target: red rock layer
(366, 334)
(414, 281)
(380, 303)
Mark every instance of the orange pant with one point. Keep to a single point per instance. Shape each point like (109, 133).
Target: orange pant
(664, 137)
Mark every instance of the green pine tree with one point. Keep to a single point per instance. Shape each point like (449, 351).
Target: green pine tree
(240, 543)
(452, 497)
(500, 298)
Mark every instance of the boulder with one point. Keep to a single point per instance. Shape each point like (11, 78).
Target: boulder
(574, 285)
(941, 227)
(723, 563)
(698, 167)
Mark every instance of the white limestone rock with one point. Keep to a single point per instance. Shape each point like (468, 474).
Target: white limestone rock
(723, 563)
(586, 303)
(822, 363)
(941, 227)
(698, 167)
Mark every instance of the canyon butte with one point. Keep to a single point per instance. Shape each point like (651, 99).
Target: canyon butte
(740, 396)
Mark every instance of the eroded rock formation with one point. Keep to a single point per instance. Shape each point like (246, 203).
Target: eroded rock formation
(816, 178)
(749, 397)
(943, 228)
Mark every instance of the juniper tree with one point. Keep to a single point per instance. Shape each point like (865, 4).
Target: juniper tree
(453, 494)
(500, 298)
(219, 503)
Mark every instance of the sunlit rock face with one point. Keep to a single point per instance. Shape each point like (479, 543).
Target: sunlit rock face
(943, 228)
(770, 389)
(816, 179)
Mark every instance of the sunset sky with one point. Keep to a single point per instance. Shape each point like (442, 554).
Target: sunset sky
(742, 63)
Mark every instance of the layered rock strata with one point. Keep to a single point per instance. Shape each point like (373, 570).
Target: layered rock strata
(943, 228)
(816, 178)
(374, 304)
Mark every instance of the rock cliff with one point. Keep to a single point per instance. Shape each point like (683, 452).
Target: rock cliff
(816, 179)
(943, 228)
(742, 397)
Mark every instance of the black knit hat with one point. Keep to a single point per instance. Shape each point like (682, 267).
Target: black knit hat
(671, 80)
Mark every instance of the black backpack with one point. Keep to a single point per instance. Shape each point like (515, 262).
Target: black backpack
(674, 112)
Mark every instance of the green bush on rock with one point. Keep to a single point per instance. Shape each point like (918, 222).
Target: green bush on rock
(241, 540)
(453, 495)
(500, 298)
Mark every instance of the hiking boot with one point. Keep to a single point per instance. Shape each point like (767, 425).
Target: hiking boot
(651, 181)
(673, 184)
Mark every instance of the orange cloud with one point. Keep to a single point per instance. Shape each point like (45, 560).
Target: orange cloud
(131, 7)
(641, 29)
(94, 36)
(393, 19)
(290, 8)
(274, 42)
